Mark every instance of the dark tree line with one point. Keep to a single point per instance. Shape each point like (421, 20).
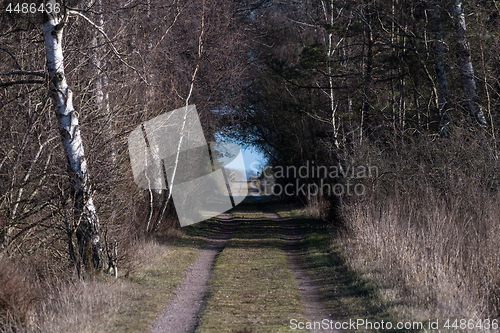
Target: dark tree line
(301, 80)
(124, 63)
(331, 75)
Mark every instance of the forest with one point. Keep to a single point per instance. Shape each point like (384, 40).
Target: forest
(407, 91)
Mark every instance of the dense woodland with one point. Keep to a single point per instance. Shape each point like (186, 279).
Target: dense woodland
(411, 87)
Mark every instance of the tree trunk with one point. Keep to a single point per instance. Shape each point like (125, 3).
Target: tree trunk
(329, 18)
(87, 231)
(367, 89)
(465, 63)
(442, 81)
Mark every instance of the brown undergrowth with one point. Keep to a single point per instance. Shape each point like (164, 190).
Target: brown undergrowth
(40, 297)
(428, 228)
(17, 294)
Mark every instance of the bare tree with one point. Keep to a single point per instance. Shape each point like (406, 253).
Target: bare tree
(442, 81)
(201, 40)
(87, 227)
(465, 63)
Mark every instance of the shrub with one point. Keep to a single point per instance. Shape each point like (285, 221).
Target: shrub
(17, 294)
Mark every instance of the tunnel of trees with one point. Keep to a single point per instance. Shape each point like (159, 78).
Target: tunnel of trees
(411, 87)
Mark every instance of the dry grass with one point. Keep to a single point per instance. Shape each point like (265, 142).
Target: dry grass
(77, 307)
(53, 305)
(430, 229)
(16, 293)
(317, 207)
(450, 267)
(100, 303)
(252, 289)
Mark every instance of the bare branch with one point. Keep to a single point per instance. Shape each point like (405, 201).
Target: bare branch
(170, 27)
(303, 23)
(188, 97)
(41, 74)
(27, 176)
(12, 56)
(8, 84)
(388, 41)
(115, 51)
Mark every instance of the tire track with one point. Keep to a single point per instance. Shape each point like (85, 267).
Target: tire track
(182, 313)
(308, 290)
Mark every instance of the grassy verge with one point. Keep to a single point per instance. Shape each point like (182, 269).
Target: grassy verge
(105, 304)
(252, 289)
(161, 267)
(147, 290)
(347, 294)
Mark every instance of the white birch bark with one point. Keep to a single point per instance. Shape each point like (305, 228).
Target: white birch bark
(465, 63)
(101, 82)
(156, 192)
(331, 51)
(188, 97)
(102, 102)
(87, 231)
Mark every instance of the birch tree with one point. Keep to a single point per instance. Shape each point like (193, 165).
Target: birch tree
(87, 226)
(465, 63)
(201, 40)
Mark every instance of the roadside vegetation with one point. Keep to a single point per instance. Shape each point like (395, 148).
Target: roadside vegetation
(427, 230)
(347, 292)
(54, 303)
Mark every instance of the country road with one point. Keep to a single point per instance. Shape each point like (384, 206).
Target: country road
(186, 310)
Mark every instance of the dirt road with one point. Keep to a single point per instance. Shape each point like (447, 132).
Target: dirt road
(181, 314)
(186, 308)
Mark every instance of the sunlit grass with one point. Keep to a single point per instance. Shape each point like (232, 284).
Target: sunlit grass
(252, 287)
(346, 293)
